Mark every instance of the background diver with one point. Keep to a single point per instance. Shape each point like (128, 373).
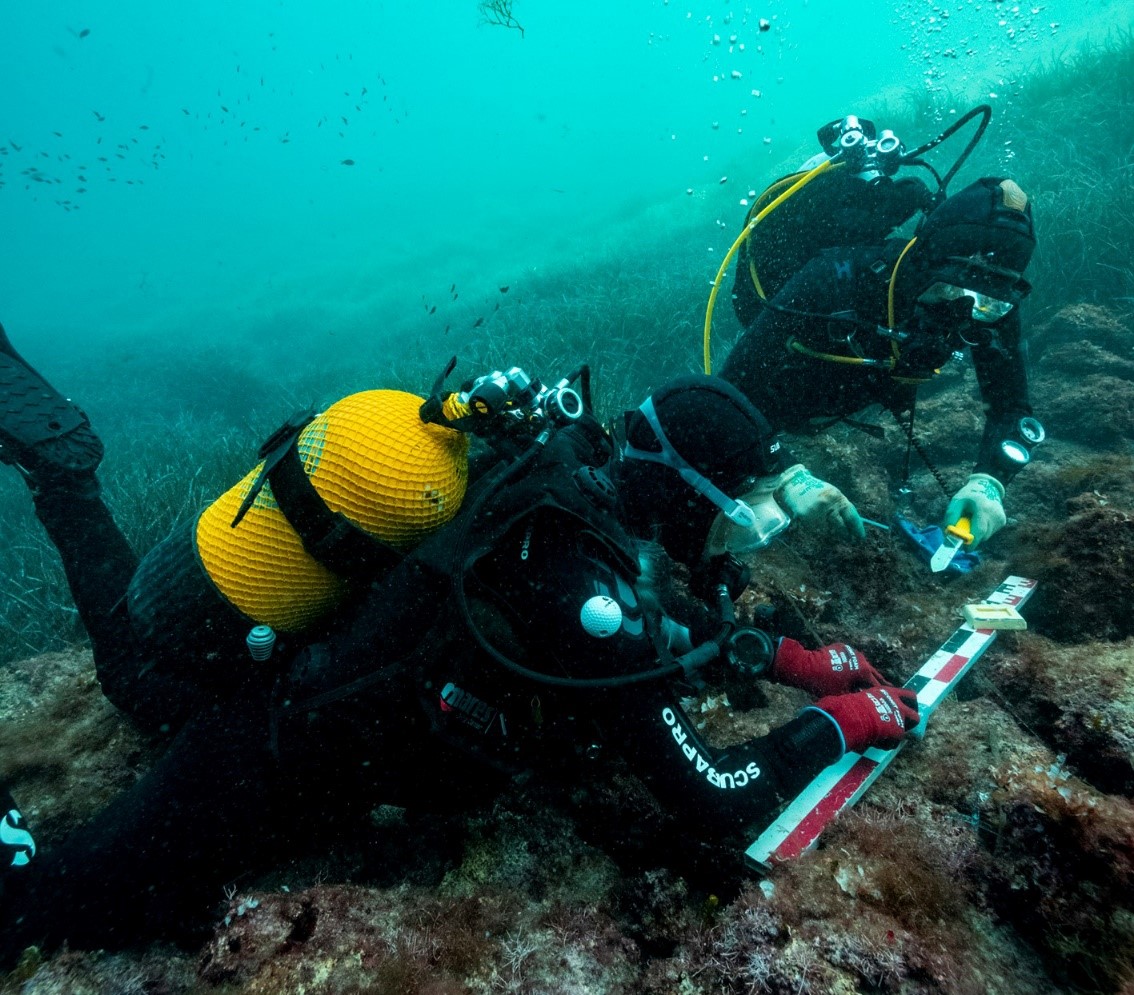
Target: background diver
(443, 660)
(840, 315)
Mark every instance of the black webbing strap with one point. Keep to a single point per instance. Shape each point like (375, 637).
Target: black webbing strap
(328, 536)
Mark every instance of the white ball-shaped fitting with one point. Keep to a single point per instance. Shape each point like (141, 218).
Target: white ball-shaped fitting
(601, 616)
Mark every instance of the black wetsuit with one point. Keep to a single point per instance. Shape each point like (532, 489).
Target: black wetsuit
(405, 701)
(791, 387)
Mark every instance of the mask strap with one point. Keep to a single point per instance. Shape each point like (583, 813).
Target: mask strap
(735, 511)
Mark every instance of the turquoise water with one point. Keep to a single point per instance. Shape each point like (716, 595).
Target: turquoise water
(175, 171)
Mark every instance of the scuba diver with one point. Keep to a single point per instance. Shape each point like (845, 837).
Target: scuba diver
(488, 635)
(841, 315)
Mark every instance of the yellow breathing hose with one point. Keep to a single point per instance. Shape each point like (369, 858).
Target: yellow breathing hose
(893, 278)
(795, 343)
(748, 228)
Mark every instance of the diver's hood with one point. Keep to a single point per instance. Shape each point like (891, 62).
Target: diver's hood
(982, 235)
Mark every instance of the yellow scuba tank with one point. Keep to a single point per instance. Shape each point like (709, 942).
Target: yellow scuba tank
(336, 500)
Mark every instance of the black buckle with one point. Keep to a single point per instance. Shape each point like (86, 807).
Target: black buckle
(273, 449)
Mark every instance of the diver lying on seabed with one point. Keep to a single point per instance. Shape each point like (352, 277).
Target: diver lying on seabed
(346, 618)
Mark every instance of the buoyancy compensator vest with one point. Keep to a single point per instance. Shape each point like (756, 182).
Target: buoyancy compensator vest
(844, 196)
(540, 567)
(837, 208)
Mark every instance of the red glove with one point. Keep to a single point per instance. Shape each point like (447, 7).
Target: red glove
(834, 669)
(876, 717)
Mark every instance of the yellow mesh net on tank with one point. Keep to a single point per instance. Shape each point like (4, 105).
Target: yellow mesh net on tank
(371, 458)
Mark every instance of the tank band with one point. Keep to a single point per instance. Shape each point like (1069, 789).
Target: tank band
(330, 538)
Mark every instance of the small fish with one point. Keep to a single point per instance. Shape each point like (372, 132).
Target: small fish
(504, 290)
(347, 162)
(57, 134)
(478, 323)
(446, 332)
(344, 120)
(223, 108)
(185, 110)
(18, 148)
(84, 32)
(451, 289)
(143, 127)
(433, 310)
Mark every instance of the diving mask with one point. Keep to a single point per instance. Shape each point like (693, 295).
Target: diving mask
(993, 290)
(985, 309)
(769, 520)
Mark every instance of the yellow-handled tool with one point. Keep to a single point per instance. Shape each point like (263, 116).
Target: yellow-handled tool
(956, 536)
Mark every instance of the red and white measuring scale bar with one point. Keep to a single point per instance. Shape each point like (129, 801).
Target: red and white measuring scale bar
(842, 784)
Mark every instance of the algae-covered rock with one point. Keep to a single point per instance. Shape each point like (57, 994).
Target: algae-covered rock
(1085, 569)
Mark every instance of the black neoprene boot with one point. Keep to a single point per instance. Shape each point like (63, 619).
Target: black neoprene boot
(42, 433)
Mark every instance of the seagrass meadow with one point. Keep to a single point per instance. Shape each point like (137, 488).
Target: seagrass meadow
(995, 856)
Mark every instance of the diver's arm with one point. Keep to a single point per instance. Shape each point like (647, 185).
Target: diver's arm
(755, 364)
(763, 365)
(721, 790)
(1002, 375)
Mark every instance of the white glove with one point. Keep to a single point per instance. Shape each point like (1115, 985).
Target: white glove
(806, 496)
(981, 501)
